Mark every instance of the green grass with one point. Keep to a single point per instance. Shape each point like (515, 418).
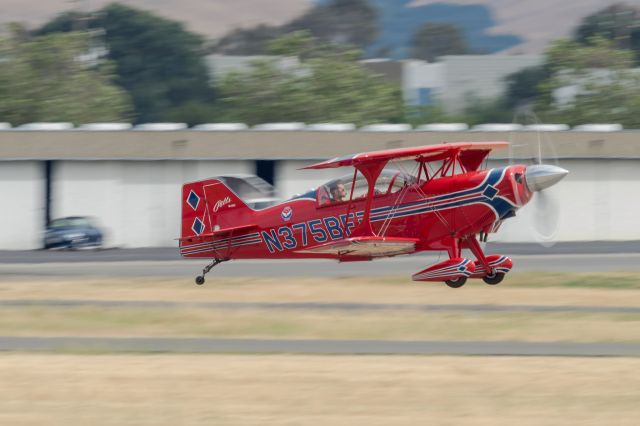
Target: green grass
(613, 280)
(335, 324)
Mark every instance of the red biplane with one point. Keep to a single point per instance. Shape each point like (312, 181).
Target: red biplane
(449, 204)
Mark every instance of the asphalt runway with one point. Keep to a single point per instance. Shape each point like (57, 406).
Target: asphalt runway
(318, 306)
(399, 266)
(334, 347)
(171, 253)
(165, 262)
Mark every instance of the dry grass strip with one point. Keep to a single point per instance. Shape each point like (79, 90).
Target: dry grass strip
(542, 289)
(313, 390)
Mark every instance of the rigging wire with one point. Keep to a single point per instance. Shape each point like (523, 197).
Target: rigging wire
(398, 201)
(419, 190)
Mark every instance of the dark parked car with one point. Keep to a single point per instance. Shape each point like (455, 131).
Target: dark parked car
(72, 232)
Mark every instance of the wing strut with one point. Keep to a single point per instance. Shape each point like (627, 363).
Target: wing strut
(347, 218)
(371, 171)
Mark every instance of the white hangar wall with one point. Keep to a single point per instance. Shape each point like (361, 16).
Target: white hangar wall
(290, 180)
(598, 200)
(22, 214)
(137, 203)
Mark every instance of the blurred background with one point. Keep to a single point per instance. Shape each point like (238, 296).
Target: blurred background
(106, 109)
(107, 105)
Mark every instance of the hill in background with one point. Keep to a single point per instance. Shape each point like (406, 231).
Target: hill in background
(399, 20)
(210, 18)
(498, 23)
(537, 22)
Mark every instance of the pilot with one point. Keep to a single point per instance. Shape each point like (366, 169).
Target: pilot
(338, 193)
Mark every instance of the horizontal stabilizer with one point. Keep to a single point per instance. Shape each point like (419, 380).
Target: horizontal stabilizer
(366, 247)
(451, 269)
(218, 233)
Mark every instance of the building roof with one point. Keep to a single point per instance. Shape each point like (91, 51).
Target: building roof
(303, 145)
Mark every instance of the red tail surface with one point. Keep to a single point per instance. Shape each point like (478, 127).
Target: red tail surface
(210, 207)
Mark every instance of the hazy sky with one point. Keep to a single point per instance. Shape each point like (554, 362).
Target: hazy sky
(536, 21)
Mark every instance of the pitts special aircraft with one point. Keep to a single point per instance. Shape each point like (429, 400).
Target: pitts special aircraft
(449, 205)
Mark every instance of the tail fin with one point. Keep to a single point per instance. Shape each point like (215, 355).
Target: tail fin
(209, 206)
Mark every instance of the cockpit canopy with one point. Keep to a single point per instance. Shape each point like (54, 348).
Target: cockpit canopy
(339, 190)
(254, 191)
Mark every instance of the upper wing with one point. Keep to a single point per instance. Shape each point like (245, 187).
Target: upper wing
(470, 152)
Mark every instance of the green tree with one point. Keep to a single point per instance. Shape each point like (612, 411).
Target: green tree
(298, 43)
(619, 23)
(156, 60)
(67, 22)
(425, 114)
(567, 55)
(611, 102)
(603, 86)
(352, 22)
(432, 40)
(246, 41)
(523, 86)
(51, 78)
(479, 111)
(329, 85)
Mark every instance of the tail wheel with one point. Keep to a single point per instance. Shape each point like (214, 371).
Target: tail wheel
(495, 278)
(457, 283)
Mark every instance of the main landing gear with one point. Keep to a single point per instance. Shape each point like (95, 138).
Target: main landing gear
(214, 262)
(457, 283)
(456, 270)
(491, 269)
(493, 278)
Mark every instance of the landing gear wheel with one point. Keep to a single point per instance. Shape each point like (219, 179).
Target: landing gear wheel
(457, 283)
(214, 262)
(495, 278)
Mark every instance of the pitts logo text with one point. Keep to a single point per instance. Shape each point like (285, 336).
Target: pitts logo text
(221, 203)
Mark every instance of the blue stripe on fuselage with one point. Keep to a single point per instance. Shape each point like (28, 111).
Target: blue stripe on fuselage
(499, 204)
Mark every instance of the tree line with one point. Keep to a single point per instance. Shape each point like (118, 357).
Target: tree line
(124, 64)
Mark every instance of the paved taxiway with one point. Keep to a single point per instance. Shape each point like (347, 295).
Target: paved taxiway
(322, 306)
(314, 346)
(404, 266)
(166, 262)
(578, 257)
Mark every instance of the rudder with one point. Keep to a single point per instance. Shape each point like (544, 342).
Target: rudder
(208, 206)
